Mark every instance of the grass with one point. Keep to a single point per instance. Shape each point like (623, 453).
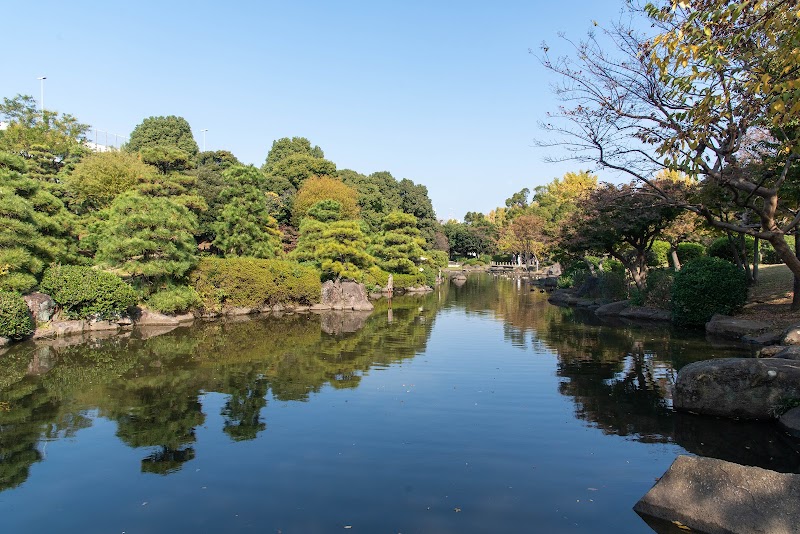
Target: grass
(770, 298)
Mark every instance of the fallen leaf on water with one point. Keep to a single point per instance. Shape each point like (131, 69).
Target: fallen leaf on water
(456, 509)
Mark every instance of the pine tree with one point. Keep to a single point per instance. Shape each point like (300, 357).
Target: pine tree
(245, 226)
(337, 246)
(399, 247)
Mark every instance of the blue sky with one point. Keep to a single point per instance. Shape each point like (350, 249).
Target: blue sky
(443, 93)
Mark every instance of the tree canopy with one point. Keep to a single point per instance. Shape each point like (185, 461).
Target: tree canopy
(165, 132)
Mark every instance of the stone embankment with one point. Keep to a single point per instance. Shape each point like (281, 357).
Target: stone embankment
(342, 296)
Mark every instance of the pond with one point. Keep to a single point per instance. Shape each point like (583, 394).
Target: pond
(479, 408)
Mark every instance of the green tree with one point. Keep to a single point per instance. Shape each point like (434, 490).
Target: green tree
(245, 226)
(378, 195)
(100, 177)
(149, 238)
(35, 227)
(171, 131)
(285, 147)
(337, 246)
(414, 200)
(399, 248)
(209, 183)
(297, 168)
(50, 142)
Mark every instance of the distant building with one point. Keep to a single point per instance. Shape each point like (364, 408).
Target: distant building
(94, 147)
(3, 125)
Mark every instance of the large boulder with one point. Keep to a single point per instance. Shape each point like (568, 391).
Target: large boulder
(733, 328)
(746, 388)
(42, 307)
(144, 317)
(612, 309)
(715, 496)
(345, 295)
(790, 421)
(791, 336)
(645, 313)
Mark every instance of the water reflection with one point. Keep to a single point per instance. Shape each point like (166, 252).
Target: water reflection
(152, 386)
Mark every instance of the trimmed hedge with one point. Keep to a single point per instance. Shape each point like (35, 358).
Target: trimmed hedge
(722, 248)
(658, 255)
(706, 286)
(83, 292)
(690, 251)
(253, 282)
(15, 318)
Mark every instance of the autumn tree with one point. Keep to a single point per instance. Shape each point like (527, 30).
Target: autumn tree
(621, 221)
(685, 98)
(102, 176)
(524, 236)
(320, 188)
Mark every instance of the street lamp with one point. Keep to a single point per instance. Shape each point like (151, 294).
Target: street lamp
(41, 101)
(204, 138)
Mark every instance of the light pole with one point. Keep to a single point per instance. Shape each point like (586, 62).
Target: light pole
(204, 138)
(41, 101)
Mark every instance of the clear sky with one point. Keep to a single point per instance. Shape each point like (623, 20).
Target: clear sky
(443, 93)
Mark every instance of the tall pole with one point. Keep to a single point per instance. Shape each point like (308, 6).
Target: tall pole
(204, 138)
(41, 101)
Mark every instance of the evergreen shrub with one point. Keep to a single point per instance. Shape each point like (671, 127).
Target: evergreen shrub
(705, 286)
(657, 291)
(83, 292)
(172, 300)
(253, 282)
(15, 318)
(722, 248)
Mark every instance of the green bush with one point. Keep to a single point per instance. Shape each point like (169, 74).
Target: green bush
(437, 258)
(658, 289)
(172, 300)
(658, 255)
(690, 251)
(613, 285)
(706, 286)
(721, 248)
(376, 279)
(15, 318)
(252, 282)
(83, 292)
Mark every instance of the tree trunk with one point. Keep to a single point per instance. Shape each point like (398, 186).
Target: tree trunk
(676, 262)
(792, 260)
(796, 285)
(756, 258)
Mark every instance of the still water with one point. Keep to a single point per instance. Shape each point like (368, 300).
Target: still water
(479, 408)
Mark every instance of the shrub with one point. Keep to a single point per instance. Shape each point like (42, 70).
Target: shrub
(252, 282)
(172, 300)
(613, 285)
(658, 289)
(15, 318)
(376, 279)
(706, 286)
(722, 248)
(83, 292)
(689, 251)
(658, 255)
(768, 254)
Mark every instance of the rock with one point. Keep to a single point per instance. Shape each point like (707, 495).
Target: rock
(612, 309)
(747, 388)
(4, 341)
(791, 336)
(42, 306)
(96, 326)
(789, 353)
(62, 328)
(733, 328)
(419, 289)
(153, 318)
(715, 496)
(320, 307)
(235, 312)
(770, 351)
(767, 338)
(345, 295)
(336, 322)
(790, 421)
(643, 313)
(562, 297)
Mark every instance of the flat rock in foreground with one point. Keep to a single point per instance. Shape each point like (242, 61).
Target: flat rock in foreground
(715, 496)
(734, 327)
(747, 388)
